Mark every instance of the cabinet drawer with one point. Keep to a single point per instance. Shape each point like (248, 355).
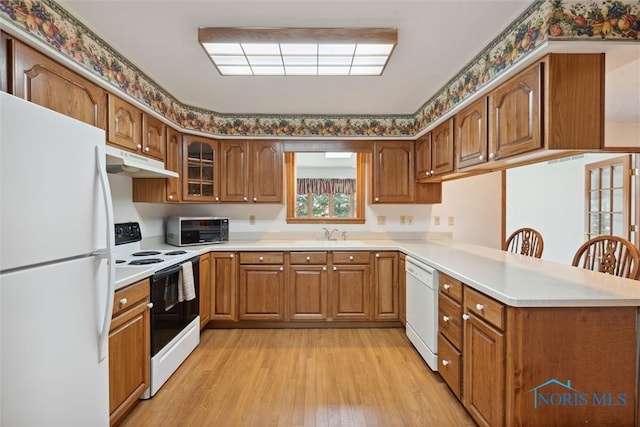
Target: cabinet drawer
(308, 257)
(450, 287)
(450, 365)
(261, 258)
(450, 320)
(484, 307)
(129, 296)
(351, 257)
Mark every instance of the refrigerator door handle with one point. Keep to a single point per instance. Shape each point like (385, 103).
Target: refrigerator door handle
(106, 253)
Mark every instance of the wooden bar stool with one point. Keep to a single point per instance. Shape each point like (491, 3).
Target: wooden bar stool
(525, 241)
(609, 254)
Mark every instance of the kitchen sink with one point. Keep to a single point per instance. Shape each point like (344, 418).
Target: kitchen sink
(329, 243)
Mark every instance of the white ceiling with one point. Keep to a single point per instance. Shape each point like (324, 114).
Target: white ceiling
(435, 40)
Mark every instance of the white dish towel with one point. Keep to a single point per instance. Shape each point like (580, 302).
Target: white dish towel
(186, 285)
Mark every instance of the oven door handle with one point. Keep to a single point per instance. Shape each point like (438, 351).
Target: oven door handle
(173, 269)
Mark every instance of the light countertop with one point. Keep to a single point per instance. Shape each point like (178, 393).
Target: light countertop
(515, 280)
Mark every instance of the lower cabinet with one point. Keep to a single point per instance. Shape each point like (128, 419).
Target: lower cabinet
(224, 286)
(307, 286)
(402, 289)
(261, 286)
(205, 290)
(385, 285)
(565, 365)
(129, 344)
(350, 286)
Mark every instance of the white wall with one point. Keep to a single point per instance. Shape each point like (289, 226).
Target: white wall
(549, 197)
(473, 202)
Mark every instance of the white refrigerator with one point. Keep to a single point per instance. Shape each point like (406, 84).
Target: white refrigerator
(56, 269)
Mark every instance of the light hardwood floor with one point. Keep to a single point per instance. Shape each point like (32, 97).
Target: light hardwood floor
(302, 377)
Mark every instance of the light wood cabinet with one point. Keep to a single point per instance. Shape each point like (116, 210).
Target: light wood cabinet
(154, 139)
(205, 290)
(393, 176)
(385, 285)
(261, 286)
(129, 347)
(307, 286)
(45, 82)
(402, 289)
(224, 286)
(125, 124)
(471, 140)
(423, 157)
(200, 169)
(350, 286)
(450, 341)
(253, 171)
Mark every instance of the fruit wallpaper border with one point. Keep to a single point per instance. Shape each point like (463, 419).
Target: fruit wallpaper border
(544, 20)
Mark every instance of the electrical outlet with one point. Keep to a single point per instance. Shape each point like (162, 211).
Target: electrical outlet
(403, 220)
(382, 220)
(409, 219)
(252, 219)
(451, 222)
(436, 220)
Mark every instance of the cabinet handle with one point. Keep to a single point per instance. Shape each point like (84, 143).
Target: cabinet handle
(446, 286)
(281, 268)
(465, 316)
(308, 258)
(123, 301)
(150, 305)
(492, 156)
(446, 362)
(217, 199)
(261, 259)
(445, 318)
(350, 258)
(324, 268)
(244, 198)
(479, 307)
(377, 255)
(481, 157)
(255, 199)
(377, 199)
(335, 268)
(139, 146)
(146, 149)
(427, 173)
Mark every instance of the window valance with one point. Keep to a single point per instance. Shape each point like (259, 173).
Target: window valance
(326, 185)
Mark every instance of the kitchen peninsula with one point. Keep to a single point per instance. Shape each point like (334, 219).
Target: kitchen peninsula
(550, 343)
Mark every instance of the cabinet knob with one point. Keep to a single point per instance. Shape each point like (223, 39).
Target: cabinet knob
(123, 301)
(431, 172)
(255, 199)
(350, 258)
(446, 286)
(308, 258)
(427, 173)
(445, 318)
(492, 156)
(479, 307)
(481, 157)
(281, 268)
(377, 255)
(377, 199)
(261, 259)
(146, 149)
(446, 362)
(217, 199)
(324, 268)
(335, 268)
(150, 305)
(465, 316)
(139, 146)
(170, 197)
(230, 255)
(244, 198)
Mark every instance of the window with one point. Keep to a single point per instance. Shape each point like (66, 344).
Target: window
(325, 189)
(608, 196)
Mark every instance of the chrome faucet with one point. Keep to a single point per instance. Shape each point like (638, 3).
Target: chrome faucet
(328, 234)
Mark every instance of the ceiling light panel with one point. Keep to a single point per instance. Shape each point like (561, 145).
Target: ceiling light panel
(298, 51)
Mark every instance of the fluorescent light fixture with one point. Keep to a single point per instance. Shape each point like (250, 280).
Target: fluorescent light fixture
(299, 51)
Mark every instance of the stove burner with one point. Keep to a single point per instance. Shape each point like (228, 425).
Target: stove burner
(175, 253)
(120, 261)
(145, 261)
(146, 253)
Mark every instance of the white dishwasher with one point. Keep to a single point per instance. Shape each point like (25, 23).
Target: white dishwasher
(422, 310)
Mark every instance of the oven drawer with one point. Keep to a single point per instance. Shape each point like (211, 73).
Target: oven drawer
(261, 258)
(130, 296)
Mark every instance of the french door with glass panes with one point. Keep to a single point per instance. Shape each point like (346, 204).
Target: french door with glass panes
(611, 187)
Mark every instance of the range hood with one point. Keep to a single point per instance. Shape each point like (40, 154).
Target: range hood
(134, 165)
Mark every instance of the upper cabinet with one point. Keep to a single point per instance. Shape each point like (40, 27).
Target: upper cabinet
(253, 171)
(43, 81)
(434, 152)
(471, 134)
(392, 177)
(173, 160)
(200, 174)
(134, 130)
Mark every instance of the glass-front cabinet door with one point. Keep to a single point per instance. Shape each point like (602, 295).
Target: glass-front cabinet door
(200, 170)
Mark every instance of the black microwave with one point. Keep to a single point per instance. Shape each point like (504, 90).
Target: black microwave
(185, 231)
